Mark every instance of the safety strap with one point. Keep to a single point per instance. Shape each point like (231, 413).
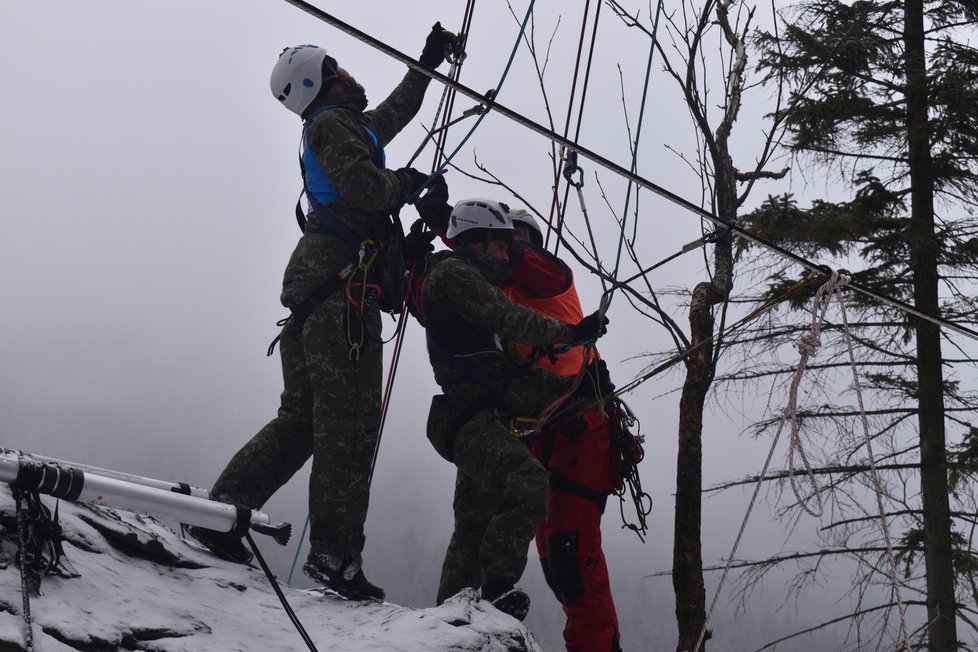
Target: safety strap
(561, 482)
(331, 225)
(438, 352)
(301, 311)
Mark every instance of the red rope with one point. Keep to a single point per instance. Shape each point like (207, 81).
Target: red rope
(450, 104)
(403, 318)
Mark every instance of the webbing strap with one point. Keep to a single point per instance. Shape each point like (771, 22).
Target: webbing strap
(301, 311)
(438, 352)
(331, 225)
(560, 481)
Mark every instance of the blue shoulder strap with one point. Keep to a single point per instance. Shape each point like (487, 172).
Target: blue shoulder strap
(324, 187)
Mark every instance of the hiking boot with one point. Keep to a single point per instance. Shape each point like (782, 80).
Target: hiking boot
(225, 545)
(505, 597)
(515, 603)
(356, 588)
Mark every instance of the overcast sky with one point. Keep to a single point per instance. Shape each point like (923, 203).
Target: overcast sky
(147, 182)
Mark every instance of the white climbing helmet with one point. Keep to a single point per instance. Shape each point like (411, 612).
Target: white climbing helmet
(522, 216)
(471, 214)
(299, 75)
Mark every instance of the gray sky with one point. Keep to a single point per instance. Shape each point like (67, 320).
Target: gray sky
(148, 182)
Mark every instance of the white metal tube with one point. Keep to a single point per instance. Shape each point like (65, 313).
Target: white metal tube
(166, 485)
(132, 497)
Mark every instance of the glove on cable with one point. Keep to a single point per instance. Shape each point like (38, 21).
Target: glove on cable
(415, 180)
(589, 329)
(439, 42)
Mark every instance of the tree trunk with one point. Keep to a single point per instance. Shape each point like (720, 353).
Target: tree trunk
(941, 630)
(687, 556)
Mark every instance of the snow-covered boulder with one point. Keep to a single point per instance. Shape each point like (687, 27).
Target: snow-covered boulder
(141, 586)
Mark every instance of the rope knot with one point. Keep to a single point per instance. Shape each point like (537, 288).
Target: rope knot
(808, 344)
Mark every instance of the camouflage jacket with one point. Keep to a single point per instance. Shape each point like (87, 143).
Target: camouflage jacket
(369, 193)
(463, 283)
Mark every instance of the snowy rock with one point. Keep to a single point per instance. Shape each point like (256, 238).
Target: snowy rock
(138, 585)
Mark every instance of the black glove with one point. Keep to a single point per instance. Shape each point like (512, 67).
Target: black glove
(415, 179)
(433, 206)
(417, 245)
(598, 371)
(438, 43)
(596, 384)
(589, 329)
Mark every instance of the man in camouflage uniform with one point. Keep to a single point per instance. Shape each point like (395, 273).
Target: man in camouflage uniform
(501, 489)
(331, 346)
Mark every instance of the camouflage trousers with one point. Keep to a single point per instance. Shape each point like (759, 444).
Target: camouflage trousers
(500, 497)
(330, 410)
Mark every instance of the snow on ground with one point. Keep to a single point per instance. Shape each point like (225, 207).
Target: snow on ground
(141, 586)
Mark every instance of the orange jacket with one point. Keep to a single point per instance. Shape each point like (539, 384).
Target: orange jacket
(543, 282)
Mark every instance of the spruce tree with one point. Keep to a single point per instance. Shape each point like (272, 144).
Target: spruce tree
(884, 97)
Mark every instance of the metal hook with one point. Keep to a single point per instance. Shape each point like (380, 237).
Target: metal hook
(570, 168)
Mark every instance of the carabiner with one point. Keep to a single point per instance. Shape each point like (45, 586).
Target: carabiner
(571, 167)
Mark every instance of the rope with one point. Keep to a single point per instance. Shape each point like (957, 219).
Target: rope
(757, 312)
(454, 73)
(619, 170)
(638, 135)
(298, 549)
(808, 345)
(281, 596)
(580, 115)
(877, 483)
(25, 580)
(569, 171)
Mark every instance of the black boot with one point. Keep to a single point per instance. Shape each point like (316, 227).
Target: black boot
(505, 597)
(223, 544)
(356, 588)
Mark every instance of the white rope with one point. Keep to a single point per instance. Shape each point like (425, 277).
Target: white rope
(808, 345)
(740, 535)
(877, 483)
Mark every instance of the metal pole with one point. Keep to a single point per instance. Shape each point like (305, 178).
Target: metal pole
(73, 484)
(166, 485)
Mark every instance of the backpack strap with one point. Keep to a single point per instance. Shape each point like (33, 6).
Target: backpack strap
(438, 352)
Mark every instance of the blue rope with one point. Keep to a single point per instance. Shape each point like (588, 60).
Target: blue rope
(298, 549)
(638, 134)
(502, 79)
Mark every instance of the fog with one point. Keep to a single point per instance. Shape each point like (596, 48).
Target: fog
(148, 183)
